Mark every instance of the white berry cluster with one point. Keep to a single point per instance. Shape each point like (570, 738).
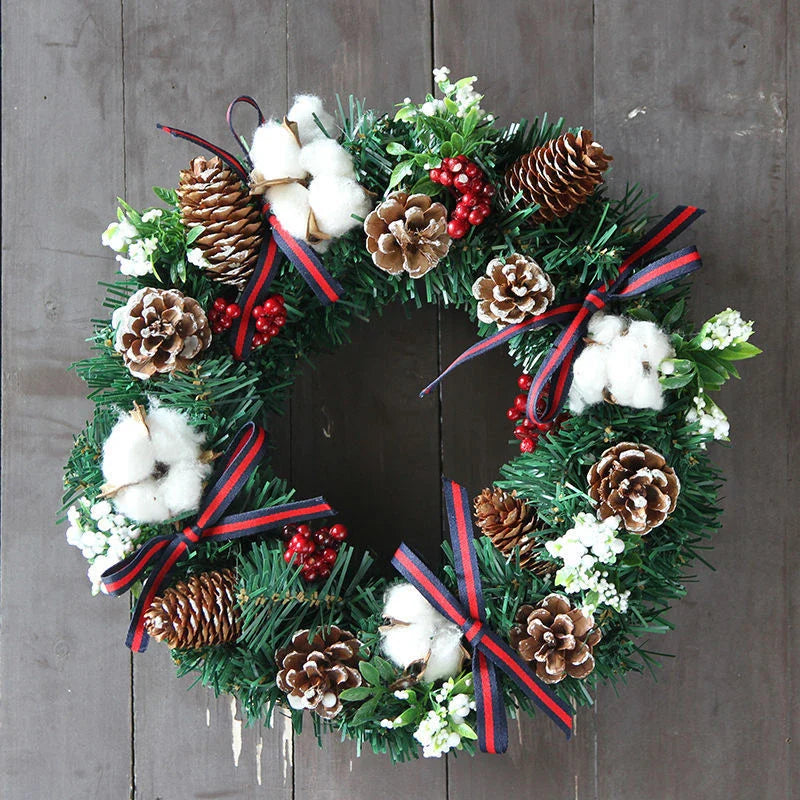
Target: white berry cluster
(444, 726)
(103, 537)
(709, 416)
(724, 330)
(460, 94)
(134, 253)
(586, 544)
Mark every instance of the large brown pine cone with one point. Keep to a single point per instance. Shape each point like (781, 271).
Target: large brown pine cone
(196, 613)
(513, 289)
(556, 638)
(314, 673)
(558, 176)
(212, 195)
(634, 482)
(407, 232)
(510, 523)
(160, 330)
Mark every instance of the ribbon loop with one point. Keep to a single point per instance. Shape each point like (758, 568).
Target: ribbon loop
(243, 98)
(489, 651)
(162, 552)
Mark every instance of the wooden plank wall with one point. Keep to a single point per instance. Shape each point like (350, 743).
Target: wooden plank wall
(697, 100)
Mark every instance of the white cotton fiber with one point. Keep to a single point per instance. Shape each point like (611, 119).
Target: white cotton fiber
(172, 438)
(326, 157)
(446, 654)
(290, 205)
(127, 453)
(275, 153)
(305, 108)
(182, 487)
(142, 502)
(649, 394)
(625, 368)
(603, 328)
(589, 378)
(403, 644)
(653, 341)
(403, 602)
(334, 201)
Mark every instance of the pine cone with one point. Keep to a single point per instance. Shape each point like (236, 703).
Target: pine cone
(558, 176)
(634, 482)
(555, 637)
(212, 195)
(512, 290)
(407, 232)
(161, 330)
(314, 673)
(197, 613)
(510, 523)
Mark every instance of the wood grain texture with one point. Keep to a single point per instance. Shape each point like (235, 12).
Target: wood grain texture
(64, 680)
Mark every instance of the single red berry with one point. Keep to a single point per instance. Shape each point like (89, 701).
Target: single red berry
(310, 575)
(521, 433)
(262, 324)
(472, 169)
(527, 445)
(513, 414)
(312, 562)
(461, 181)
(304, 530)
(226, 323)
(338, 532)
(462, 159)
(324, 572)
(272, 305)
(457, 228)
(520, 402)
(525, 381)
(288, 555)
(468, 199)
(220, 303)
(233, 311)
(329, 555)
(288, 531)
(446, 179)
(297, 542)
(460, 212)
(475, 217)
(487, 190)
(435, 175)
(453, 164)
(279, 320)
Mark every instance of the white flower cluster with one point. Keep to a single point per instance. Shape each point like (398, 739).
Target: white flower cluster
(134, 253)
(725, 329)
(103, 537)
(585, 545)
(710, 416)
(441, 728)
(462, 93)
(284, 165)
(621, 360)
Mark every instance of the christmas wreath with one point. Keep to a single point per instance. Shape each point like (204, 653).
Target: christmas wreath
(252, 264)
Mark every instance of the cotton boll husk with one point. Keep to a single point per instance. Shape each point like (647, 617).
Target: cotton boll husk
(128, 455)
(326, 157)
(604, 328)
(402, 644)
(182, 486)
(303, 111)
(289, 203)
(446, 653)
(142, 502)
(275, 153)
(589, 378)
(172, 437)
(334, 200)
(655, 344)
(404, 602)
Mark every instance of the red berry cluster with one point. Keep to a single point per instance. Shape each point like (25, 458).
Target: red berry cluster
(316, 550)
(526, 430)
(270, 317)
(468, 183)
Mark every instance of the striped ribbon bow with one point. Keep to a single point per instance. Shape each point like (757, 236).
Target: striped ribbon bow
(276, 241)
(163, 552)
(551, 383)
(489, 651)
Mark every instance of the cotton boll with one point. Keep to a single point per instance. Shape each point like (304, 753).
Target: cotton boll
(334, 201)
(127, 453)
(289, 203)
(405, 603)
(182, 486)
(625, 369)
(589, 378)
(305, 108)
(446, 654)
(142, 502)
(326, 157)
(655, 344)
(604, 328)
(404, 644)
(172, 437)
(648, 394)
(275, 153)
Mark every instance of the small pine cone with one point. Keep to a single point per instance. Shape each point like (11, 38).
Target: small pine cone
(634, 482)
(314, 673)
(512, 290)
(510, 523)
(556, 638)
(407, 232)
(161, 330)
(197, 613)
(212, 195)
(558, 176)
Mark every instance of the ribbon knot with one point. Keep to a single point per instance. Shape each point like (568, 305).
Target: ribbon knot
(276, 241)
(489, 651)
(551, 384)
(161, 553)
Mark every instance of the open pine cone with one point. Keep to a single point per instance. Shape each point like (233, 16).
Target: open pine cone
(555, 637)
(314, 673)
(407, 232)
(196, 613)
(634, 482)
(512, 290)
(160, 330)
(510, 523)
(212, 195)
(558, 176)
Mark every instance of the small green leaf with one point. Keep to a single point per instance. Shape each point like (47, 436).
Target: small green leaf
(675, 381)
(405, 113)
(407, 717)
(446, 150)
(426, 186)
(457, 142)
(370, 673)
(465, 731)
(386, 670)
(365, 712)
(194, 234)
(401, 171)
(737, 352)
(674, 314)
(356, 693)
(451, 107)
(396, 149)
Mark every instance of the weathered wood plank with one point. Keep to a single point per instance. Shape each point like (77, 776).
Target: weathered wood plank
(187, 744)
(691, 102)
(513, 50)
(64, 679)
(359, 433)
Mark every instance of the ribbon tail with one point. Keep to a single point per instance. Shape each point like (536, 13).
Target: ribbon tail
(489, 705)
(327, 289)
(229, 159)
(249, 523)
(124, 574)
